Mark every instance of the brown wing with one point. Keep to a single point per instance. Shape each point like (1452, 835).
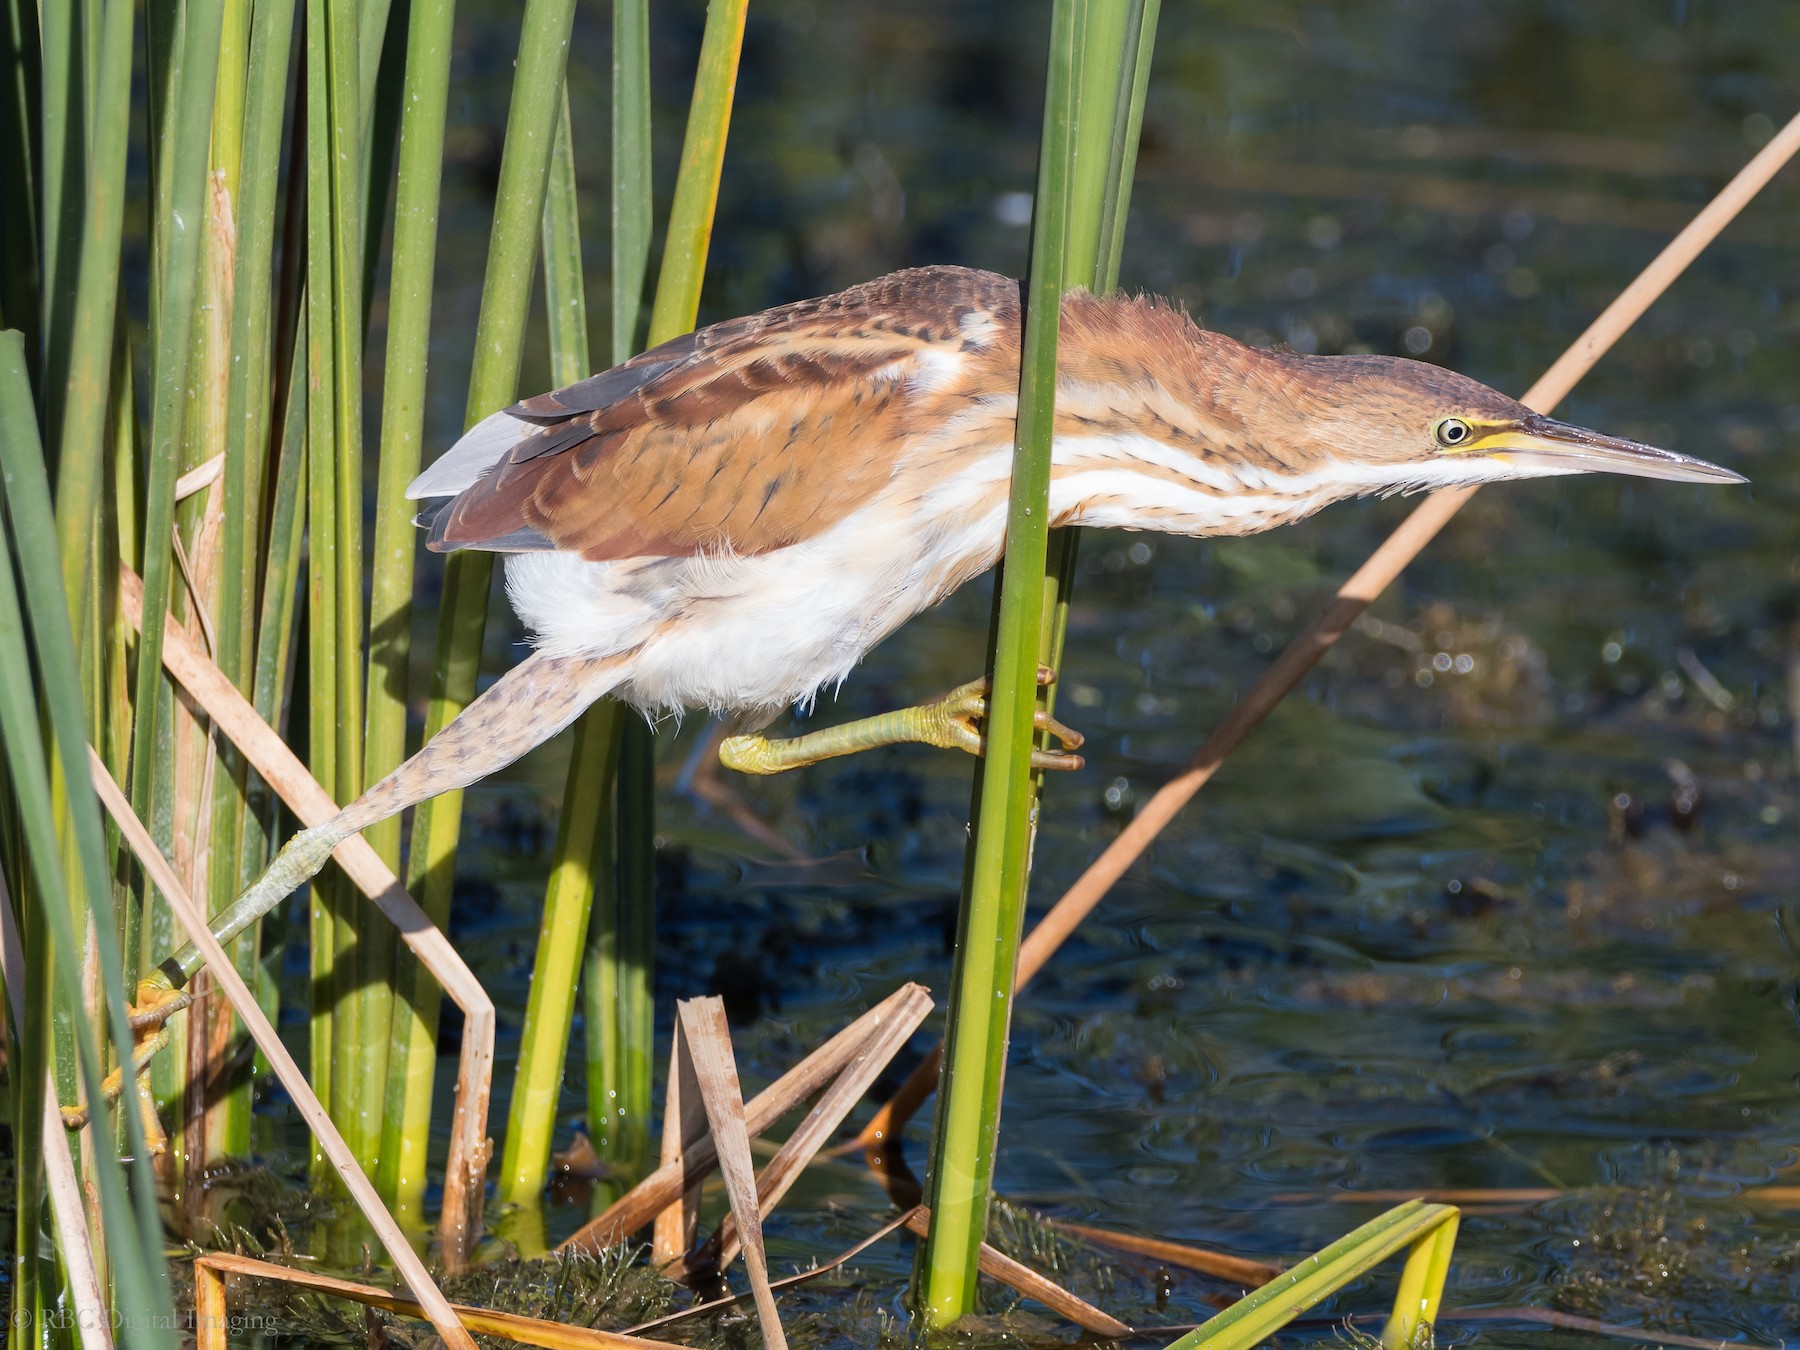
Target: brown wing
(751, 434)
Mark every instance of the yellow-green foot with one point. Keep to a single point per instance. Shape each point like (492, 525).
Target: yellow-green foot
(951, 723)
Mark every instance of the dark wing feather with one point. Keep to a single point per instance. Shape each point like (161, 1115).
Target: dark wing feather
(749, 435)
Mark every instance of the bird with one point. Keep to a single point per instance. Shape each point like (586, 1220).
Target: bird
(734, 518)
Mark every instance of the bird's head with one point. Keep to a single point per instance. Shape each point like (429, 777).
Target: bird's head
(1426, 426)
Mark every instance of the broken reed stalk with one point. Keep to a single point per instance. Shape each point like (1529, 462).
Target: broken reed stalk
(708, 1037)
(640, 1205)
(466, 1167)
(1353, 597)
(1220, 1265)
(803, 1145)
(330, 1141)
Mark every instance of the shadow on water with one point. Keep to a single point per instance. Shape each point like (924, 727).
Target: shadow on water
(1504, 898)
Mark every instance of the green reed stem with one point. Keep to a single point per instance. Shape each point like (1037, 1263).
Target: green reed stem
(63, 142)
(631, 186)
(531, 123)
(697, 183)
(1113, 78)
(323, 713)
(20, 167)
(406, 1123)
(190, 117)
(620, 966)
(1098, 58)
(618, 971)
(239, 847)
(133, 1225)
(582, 863)
(90, 350)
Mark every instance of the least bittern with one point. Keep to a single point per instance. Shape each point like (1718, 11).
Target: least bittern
(731, 520)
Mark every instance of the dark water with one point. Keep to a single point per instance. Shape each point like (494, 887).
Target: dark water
(1505, 898)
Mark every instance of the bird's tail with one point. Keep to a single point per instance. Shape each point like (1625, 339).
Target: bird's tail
(522, 709)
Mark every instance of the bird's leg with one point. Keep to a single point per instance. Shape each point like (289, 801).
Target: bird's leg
(951, 723)
(529, 704)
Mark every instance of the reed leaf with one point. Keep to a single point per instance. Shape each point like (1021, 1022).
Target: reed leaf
(133, 1226)
(63, 133)
(1253, 1319)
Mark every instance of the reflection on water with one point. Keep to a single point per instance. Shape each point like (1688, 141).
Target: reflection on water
(1504, 900)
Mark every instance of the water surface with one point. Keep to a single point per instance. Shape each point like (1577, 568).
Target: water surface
(1504, 898)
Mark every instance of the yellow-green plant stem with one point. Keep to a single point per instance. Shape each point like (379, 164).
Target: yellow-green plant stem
(190, 119)
(499, 331)
(582, 877)
(582, 862)
(401, 1174)
(1113, 77)
(961, 1171)
(211, 1111)
(1428, 1230)
(631, 186)
(240, 846)
(1097, 50)
(134, 1229)
(618, 973)
(622, 936)
(697, 184)
(90, 344)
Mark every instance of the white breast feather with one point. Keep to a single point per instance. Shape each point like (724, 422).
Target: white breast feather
(724, 631)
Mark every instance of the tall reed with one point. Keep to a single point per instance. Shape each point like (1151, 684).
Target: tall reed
(602, 865)
(412, 1041)
(532, 119)
(56, 894)
(1099, 56)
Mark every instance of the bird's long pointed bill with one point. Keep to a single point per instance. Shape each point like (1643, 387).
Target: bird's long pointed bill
(1543, 443)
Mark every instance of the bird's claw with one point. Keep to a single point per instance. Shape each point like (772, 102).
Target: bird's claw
(157, 1002)
(966, 706)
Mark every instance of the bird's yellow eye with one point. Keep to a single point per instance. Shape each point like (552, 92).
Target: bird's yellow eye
(1452, 433)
